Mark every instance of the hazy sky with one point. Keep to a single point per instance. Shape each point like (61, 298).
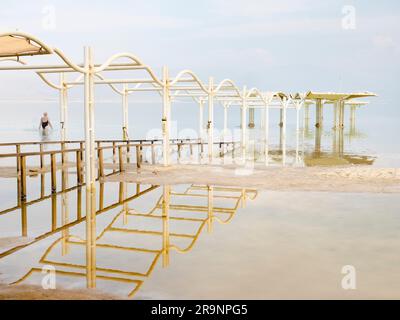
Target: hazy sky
(289, 45)
(274, 45)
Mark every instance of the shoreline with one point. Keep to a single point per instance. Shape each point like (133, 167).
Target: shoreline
(328, 179)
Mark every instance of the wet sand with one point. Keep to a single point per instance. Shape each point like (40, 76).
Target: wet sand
(30, 292)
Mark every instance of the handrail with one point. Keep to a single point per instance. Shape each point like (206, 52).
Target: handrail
(5, 144)
(124, 145)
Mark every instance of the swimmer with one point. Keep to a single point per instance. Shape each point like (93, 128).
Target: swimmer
(45, 122)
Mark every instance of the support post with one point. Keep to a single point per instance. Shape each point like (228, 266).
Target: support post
(125, 121)
(24, 220)
(53, 168)
(201, 120)
(243, 124)
(23, 179)
(41, 150)
(19, 174)
(335, 115)
(266, 132)
(114, 152)
(298, 106)
(225, 119)
(63, 107)
(285, 102)
(79, 167)
(90, 170)
(341, 113)
(318, 113)
(165, 220)
(210, 125)
(138, 156)
(210, 208)
(153, 153)
(318, 139)
(100, 161)
(165, 118)
(251, 118)
(120, 159)
(262, 118)
(306, 116)
(353, 119)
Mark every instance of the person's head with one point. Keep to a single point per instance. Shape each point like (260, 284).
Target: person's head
(44, 114)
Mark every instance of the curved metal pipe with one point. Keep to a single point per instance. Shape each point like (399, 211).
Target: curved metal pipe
(194, 77)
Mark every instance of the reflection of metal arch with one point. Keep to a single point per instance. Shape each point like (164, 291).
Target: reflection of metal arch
(236, 195)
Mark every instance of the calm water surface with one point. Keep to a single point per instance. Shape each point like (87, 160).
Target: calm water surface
(211, 242)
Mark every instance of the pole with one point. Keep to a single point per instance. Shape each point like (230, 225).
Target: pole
(318, 113)
(165, 119)
(63, 107)
(165, 220)
(201, 110)
(266, 132)
(210, 207)
(225, 118)
(210, 125)
(298, 104)
(341, 113)
(284, 105)
(251, 117)
(243, 124)
(306, 117)
(125, 120)
(335, 115)
(89, 171)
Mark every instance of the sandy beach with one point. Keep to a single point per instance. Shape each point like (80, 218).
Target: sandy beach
(338, 179)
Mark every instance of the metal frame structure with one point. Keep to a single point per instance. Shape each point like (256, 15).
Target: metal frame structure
(185, 84)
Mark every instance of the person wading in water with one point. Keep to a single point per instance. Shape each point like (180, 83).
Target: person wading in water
(45, 122)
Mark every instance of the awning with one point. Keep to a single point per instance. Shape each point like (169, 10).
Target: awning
(17, 45)
(333, 96)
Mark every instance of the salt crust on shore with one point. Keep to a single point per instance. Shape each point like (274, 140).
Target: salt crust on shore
(333, 179)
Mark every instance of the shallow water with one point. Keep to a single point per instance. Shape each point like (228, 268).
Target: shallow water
(372, 136)
(241, 243)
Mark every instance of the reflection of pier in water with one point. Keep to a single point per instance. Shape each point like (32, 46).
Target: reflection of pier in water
(311, 145)
(140, 239)
(336, 155)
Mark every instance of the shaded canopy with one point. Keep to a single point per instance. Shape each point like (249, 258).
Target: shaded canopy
(16, 45)
(333, 96)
